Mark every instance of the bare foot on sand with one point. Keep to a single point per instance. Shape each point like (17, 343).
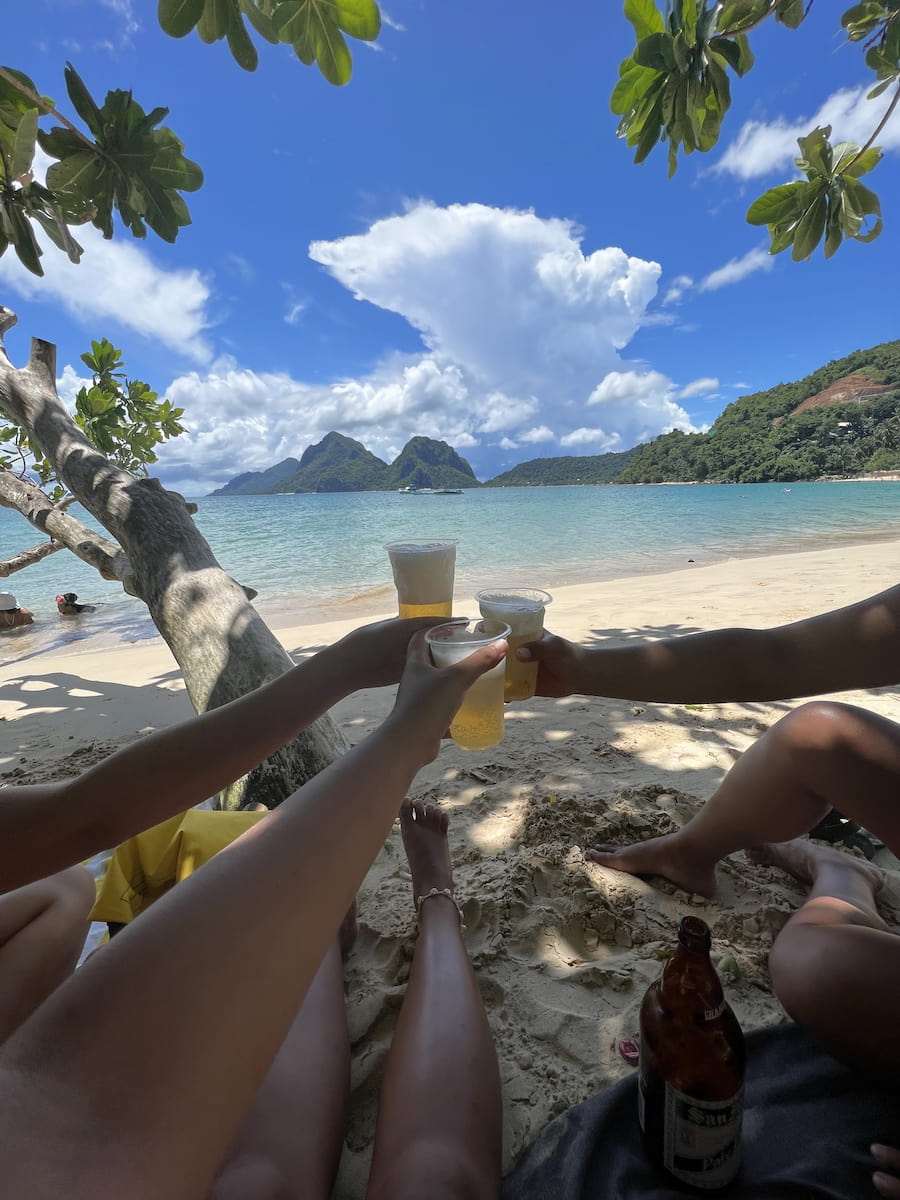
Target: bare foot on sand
(424, 828)
(667, 856)
(806, 861)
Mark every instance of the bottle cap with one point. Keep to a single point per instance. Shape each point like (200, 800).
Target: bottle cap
(694, 934)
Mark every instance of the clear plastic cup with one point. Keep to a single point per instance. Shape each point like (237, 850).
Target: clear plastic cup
(522, 609)
(424, 569)
(479, 723)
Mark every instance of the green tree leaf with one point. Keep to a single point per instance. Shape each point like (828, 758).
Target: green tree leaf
(358, 18)
(18, 229)
(241, 46)
(215, 20)
(860, 20)
(655, 51)
(862, 203)
(810, 228)
(23, 146)
(863, 163)
(260, 21)
(634, 80)
(332, 55)
(79, 173)
(645, 17)
(779, 205)
(178, 17)
(83, 101)
(790, 12)
(834, 234)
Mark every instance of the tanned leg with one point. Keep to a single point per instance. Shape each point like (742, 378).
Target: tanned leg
(439, 1123)
(835, 967)
(290, 1144)
(822, 755)
(42, 930)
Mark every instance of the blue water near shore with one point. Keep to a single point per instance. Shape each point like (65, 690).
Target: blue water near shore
(313, 557)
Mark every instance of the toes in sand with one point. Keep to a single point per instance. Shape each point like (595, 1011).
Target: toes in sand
(806, 860)
(424, 829)
(658, 856)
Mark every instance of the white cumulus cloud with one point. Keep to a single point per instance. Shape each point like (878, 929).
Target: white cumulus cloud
(120, 284)
(521, 331)
(763, 147)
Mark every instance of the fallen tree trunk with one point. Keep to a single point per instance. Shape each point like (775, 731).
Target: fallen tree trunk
(222, 645)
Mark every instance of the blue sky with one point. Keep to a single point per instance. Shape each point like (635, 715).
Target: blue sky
(455, 244)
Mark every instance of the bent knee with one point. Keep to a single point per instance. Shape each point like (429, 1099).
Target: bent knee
(251, 1177)
(74, 892)
(818, 725)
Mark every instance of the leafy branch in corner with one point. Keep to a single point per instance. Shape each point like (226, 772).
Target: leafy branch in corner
(676, 88)
(123, 160)
(127, 162)
(124, 418)
(314, 28)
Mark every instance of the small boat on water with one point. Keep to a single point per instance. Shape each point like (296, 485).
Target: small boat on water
(414, 491)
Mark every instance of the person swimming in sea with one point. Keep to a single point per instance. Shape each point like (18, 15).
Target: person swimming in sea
(12, 615)
(68, 606)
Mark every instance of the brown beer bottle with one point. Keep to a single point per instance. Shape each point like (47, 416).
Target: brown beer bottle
(690, 1094)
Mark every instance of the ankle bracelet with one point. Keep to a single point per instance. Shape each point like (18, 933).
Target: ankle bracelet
(420, 900)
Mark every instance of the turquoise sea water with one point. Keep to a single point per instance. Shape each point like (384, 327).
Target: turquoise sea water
(321, 556)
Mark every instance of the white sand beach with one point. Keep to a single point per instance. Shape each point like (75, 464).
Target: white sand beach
(564, 950)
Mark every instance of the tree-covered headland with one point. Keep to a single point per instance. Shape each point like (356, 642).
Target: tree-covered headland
(772, 436)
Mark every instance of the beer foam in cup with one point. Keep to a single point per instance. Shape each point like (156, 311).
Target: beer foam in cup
(453, 642)
(423, 568)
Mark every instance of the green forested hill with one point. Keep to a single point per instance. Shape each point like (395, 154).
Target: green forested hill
(555, 472)
(761, 437)
(424, 462)
(336, 464)
(252, 483)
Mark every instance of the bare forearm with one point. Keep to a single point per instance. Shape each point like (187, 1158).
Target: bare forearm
(222, 961)
(742, 664)
(164, 773)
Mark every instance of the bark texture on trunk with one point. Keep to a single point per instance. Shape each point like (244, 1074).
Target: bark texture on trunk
(222, 645)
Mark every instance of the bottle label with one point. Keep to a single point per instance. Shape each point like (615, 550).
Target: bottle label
(702, 1138)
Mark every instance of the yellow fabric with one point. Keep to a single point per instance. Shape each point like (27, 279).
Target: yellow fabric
(145, 867)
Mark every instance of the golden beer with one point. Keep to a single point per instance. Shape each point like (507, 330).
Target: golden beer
(522, 609)
(428, 610)
(423, 574)
(478, 724)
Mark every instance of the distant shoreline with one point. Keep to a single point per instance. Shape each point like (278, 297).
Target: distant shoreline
(288, 617)
(875, 477)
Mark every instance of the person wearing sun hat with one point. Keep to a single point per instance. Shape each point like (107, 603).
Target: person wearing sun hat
(11, 615)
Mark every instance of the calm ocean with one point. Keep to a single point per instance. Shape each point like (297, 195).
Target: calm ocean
(322, 556)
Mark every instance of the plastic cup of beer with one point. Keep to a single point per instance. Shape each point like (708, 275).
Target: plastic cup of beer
(423, 574)
(479, 723)
(522, 609)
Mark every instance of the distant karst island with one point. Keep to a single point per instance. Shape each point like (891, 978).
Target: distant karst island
(843, 420)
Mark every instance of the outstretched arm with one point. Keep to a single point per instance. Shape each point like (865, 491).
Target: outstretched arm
(853, 647)
(51, 826)
(166, 1034)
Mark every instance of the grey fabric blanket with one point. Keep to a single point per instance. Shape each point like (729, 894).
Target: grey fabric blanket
(808, 1125)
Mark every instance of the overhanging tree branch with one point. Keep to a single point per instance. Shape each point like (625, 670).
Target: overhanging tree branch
(65, 530)
(27, 558)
